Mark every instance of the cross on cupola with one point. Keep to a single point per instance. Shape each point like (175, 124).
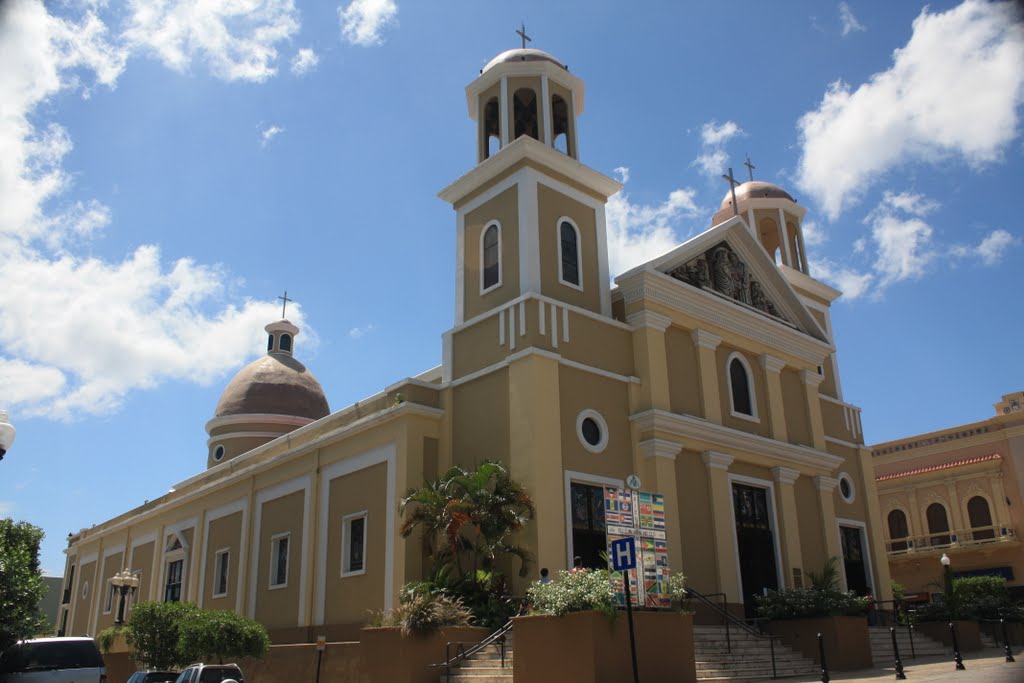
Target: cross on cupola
(284, 302)
(521, 32)
(750, 168)
(732, 186)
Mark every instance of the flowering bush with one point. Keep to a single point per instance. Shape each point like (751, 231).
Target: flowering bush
(577, 591)
(801, 603)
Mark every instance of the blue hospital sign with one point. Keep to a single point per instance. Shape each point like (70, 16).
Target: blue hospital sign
(624, 554)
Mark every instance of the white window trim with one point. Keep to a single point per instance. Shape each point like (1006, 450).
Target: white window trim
(346, 525)
(571, 478)
(751, 387)
(220, 447)
(170, 557)
(217, 574)
(85, 590)
(579, 252)
(108, 601)
(596, 416)
(869, 565)
(501, 270)
(843, 476)
(272, 573)
(773, 517)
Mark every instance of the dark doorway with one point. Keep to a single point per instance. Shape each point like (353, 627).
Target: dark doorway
(853, 559)
(588, 528)
(755, 543)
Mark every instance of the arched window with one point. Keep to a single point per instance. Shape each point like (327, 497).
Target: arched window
(492, 128)
(524, 113)
(490, 257)
(560, 124)
(569, 254)
(741, 387)
(286, 342)
(981, 516)
(938, 524)
(270, 343)
(898, 530)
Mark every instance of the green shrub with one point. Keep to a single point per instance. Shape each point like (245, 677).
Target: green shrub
(105, 638)
(421, 611)
(577, 591)
(802, 603)
(974, 597)
(209, 635)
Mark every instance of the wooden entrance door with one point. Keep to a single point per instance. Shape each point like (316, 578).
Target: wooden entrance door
(588, 526)
(853, 559)
(755, 543)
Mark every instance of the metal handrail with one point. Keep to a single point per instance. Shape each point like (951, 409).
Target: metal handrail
(498, 638)
(734, 620)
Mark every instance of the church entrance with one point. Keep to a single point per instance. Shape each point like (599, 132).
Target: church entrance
(588, 525)
(853, 559)
(755, 543)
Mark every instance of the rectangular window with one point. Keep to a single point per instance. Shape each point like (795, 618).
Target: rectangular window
(221, 563)
(353, 544)
(279, 561)
(109, 603)
(172, 589)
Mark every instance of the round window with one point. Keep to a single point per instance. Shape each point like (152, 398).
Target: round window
(218, 453)
(846, 489)
(85, 589)
(592, 430)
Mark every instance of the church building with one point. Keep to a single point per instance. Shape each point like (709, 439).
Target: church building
(709, 374)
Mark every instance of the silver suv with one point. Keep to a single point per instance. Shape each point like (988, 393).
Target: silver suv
(53, 660)
(210, 673)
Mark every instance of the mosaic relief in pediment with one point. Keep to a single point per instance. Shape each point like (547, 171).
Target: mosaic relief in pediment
(722, 270)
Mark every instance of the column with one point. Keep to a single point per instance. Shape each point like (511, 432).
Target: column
(776, 406)
(546, 136)
(917, 525)
(503, 112)
(650, 360)
(792, 557)
(826, 501)
(956, 515)
(707, 369)
(722, 520)
(876, 529)
(659, 475)
(811, 380)
(784, 239)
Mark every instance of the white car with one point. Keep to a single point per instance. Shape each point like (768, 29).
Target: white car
(53, 660)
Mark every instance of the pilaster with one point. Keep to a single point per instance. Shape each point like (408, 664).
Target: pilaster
(917, 525)
(811, 380)
(827, 504)
(999, 495)
(723, 523)
(659, 474)
(792, 555)
(956, 515)
(776, 405)
(707, 370)
(650, 360)
(876, 530)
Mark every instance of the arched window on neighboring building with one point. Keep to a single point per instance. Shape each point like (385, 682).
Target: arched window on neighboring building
(490, 257)
(741, 387)
(980, 515)
(898, 531)
(524, 113)
(938, 524)
(569, 254)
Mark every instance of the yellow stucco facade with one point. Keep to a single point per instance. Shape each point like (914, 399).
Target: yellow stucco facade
(709, 372)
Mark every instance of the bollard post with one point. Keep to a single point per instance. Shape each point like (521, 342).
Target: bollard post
(1006, 643)
(910, 632)
(896, 652)
(825, 678)
(956, 649)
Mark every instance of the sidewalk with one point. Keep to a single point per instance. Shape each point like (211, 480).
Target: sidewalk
(989, 665)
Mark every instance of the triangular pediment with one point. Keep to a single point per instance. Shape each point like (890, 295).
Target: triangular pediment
(728, 262)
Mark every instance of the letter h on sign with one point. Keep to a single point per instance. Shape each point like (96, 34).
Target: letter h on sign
(624, 554)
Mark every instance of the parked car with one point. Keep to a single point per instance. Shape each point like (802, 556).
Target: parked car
(53, 660)
(153, 677)
(210, 673)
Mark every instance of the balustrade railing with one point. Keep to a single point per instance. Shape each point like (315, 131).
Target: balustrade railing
(950, 539)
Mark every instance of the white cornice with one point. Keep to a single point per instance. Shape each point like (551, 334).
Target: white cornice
(703, 339)
(785, 475)
(826, 483)
(660, 448)
(716, 310)
(257, 418)
(728, 439)
(645, 318)
(717, 461)
(799, 280)
(522, 148)
(811, 377)
(524, 69)
(771, 363)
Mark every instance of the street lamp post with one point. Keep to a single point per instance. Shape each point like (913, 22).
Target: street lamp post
(951, 603)
(125, 583)
(7, 432)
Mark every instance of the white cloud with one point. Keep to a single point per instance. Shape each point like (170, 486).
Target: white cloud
(268, 134)
(32, 383)
(6, 508)
(304, 61)
(360, 332)
(904, 247)
(236, 38)
(640, 232)
(952, 91)
(990, 250)
(848, 20)
(813, 235)
(363, 20)
(852, 283)
(712, 161)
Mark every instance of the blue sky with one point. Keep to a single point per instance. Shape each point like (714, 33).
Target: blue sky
(168, 168)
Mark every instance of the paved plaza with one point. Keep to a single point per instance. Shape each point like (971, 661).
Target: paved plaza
(991, 668)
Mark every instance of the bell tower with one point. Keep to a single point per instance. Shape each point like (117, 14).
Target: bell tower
(530, 217)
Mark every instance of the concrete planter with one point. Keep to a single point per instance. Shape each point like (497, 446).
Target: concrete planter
(967, 633)
(390, 657)
(588, 647)
(846, 639)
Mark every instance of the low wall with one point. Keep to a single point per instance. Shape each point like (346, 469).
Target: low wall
(588, 647)
(846, 640)
(388, 657)
(967, 634)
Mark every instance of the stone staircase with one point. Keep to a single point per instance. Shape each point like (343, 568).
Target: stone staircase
(881, 646)
(748, 659)
(484, 666)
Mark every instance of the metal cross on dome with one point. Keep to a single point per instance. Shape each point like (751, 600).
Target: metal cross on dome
(522, 34)
(284, 302)
(732, 186)
(750, 168)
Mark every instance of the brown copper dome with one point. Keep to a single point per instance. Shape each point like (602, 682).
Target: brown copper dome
(274, 384)
(753, 189)
(522, 54)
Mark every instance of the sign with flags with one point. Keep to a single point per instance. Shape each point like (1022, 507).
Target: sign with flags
(640, 515)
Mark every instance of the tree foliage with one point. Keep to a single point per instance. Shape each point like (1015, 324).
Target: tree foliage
(21, 582)
(154, 631)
